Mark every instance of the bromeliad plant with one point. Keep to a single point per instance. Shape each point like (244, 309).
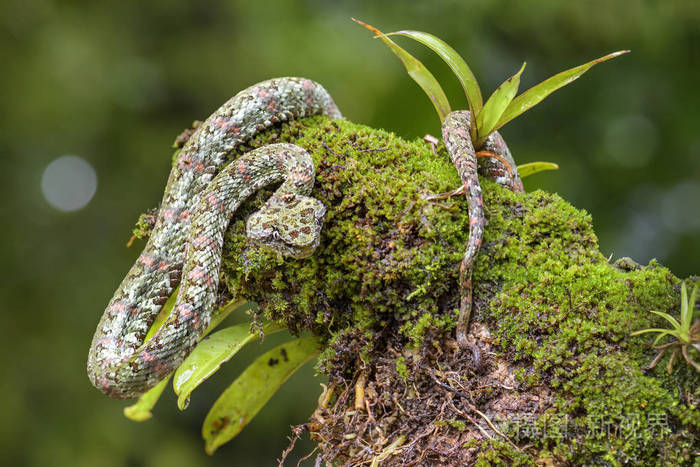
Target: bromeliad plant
(686, 333)
(500, 108)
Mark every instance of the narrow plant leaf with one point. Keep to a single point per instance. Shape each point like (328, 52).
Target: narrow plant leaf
(217, 318)
(454, 61)
(537, 93)
(659, 337)
(676, 325)
(525, 170)
(685, 316)
(495, 106)
(417, 71)
(210, 354)
(693, 299)
(244, 398)
(644, 331)
(164, 312)
(222, 312)
(662, 333)
(141, 410)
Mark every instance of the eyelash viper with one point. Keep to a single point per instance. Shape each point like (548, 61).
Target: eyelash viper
(200, 198)
(498, 165)
(188, 236)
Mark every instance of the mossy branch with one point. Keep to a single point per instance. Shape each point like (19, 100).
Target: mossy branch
(563, 381)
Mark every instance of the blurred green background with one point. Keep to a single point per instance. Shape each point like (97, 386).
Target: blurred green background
(115, 82)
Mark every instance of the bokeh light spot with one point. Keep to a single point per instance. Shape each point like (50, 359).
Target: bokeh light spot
(69, 183)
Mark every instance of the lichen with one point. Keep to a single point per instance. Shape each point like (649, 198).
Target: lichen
(562, 381)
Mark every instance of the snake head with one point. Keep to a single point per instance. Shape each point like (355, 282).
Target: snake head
(290, 225)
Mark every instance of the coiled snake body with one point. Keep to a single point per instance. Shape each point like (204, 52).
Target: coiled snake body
(200, 199)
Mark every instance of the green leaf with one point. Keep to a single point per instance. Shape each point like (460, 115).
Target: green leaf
(644, 331)
(163, 314)
(222, 312)
(686, 311)
(662, 332)
(693, 299)
(418, 72)
(210, 354)
(688, 306)
(661, 336)
(536, 94)
(141, 410)
(244, 398)
(495, 106)
(676, 325)
(456, 63)
(525, 170)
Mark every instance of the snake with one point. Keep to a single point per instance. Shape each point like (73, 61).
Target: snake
(202, 195)
(498, 165)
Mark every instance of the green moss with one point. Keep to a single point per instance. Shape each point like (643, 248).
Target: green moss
(144, 225)
(401, 368)
(458, 424)
(386, 274)
(384, 245)
(495, 452)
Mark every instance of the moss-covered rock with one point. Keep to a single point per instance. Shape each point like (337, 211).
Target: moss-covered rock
(561, 380)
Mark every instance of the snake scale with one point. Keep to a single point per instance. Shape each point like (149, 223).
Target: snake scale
(202, 195)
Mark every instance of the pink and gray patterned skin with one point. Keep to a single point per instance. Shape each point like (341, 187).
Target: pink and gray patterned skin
(498, 164)
(455, 134)
(185, 245)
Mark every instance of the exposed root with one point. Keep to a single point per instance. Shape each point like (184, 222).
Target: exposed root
(428, 416)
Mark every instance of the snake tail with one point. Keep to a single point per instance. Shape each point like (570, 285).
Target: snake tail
(501, 169)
